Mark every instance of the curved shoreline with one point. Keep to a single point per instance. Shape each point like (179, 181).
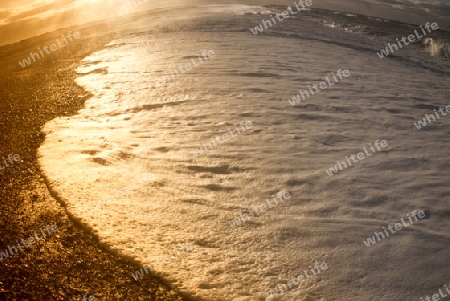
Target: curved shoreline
(71, 264)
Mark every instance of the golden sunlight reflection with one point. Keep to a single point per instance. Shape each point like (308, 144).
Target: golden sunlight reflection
(201, 125)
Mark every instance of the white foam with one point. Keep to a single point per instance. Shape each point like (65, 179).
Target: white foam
(124, 168)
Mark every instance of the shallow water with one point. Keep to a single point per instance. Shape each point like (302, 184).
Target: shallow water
(126, 169)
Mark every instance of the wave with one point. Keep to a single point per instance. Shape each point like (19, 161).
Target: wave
(437, 47)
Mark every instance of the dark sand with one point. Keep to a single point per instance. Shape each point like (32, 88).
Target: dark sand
(69, 264)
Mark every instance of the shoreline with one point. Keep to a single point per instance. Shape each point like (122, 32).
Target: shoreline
(70, 264)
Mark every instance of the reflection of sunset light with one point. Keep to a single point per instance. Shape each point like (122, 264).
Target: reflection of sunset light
(24, 19)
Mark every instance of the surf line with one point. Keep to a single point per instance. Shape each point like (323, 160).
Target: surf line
(140, 273)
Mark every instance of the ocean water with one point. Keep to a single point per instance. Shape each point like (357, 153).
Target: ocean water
(141, 165)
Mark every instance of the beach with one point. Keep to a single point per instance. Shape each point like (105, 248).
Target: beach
(175, 173)
(69, 264)
(180, 156)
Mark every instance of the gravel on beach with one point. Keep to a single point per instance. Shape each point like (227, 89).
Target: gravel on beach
(69, 264)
